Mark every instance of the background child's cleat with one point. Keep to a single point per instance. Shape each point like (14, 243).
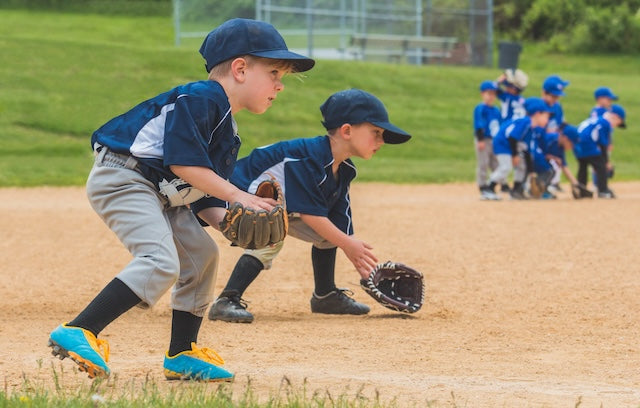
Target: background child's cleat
(200, 364)
(83, 348)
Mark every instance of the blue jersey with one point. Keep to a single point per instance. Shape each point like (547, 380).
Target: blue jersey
(512, 106)
(518, 130)
(487, 119)
(556, 118)
(303, 167)
(546, 143)
(598, 111)
(190, 125)
(594, 137)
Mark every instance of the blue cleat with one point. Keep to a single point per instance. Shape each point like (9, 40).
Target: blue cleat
(83, 348)
(200, 364)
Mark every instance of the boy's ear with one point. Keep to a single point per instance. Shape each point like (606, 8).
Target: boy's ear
(345, 130)
(238, 68)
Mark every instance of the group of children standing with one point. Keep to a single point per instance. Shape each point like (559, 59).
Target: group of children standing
(530, 137)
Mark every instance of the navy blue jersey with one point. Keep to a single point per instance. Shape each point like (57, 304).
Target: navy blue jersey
(303, 167)
(512, 106)
(486, 118)
(519, 130)
(190, 125)
(556, 118)
(542, 145)
(594, 137)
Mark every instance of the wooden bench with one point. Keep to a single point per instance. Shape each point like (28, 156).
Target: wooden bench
(399, 48)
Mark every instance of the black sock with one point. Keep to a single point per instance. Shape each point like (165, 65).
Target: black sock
(324, 267)
(184, 331)
(492, 186)
(246, 271)
(115, 299)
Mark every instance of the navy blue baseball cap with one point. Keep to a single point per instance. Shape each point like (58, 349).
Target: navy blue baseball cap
(619, 110)
(488, 86)
(603, 91)
(356, 106)
(534, 105)
(241, 36)
(554, 85)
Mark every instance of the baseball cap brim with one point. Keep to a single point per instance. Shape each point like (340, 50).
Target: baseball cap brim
(300, 62)
(392, 134)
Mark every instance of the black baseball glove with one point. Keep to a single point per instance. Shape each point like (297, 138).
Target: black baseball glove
(396, 286)
(255, 229)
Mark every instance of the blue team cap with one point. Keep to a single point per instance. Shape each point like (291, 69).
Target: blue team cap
(241, 36)
(356, 106)
(554, 85)
(619, 110)
(488, 86)
(603, 91)
(534, 105)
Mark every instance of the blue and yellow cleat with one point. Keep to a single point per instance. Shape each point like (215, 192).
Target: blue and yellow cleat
(83, 348)
(200, 364)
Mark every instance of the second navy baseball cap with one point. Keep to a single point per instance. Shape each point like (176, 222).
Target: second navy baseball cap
(603, 91)
(241, 36)
(554, 85)
(356, 106)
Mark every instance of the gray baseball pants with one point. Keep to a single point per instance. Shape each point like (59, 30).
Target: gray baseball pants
(486, 161)
(168, 245)
(505, 165)
(297, 229)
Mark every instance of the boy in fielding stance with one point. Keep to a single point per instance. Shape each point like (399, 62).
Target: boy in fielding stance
(315, 175)
(154, 160)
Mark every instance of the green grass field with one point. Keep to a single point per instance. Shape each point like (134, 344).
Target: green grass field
(64, 75)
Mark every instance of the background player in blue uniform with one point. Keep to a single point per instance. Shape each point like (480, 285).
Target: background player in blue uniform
(315, 174)
(512, 83)
(594, 136)
(553, 89)
(604, 99)
(486, 123)
(150, 163)
(511, 146)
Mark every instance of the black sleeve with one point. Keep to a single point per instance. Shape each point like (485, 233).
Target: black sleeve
(528, 163)
(480, 134)
(513, 144)
(604, 152)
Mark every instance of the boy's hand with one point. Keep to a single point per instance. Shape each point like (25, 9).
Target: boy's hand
(253, 201)
(361, 256)
(481, 145)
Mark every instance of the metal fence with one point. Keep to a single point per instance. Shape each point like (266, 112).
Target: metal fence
(406, 31)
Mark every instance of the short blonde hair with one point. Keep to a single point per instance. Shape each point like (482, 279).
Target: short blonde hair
(224, 67)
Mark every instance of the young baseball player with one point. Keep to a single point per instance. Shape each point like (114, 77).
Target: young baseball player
(486, 123)
(552, 90)
(512, 83)
(594, 136)
(511, 146)
(315, 174)
(154, 160)
(604, 99)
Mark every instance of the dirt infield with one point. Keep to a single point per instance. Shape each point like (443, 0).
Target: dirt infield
(529, 304)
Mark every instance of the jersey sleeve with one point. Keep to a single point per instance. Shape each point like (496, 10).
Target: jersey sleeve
(302, 191)
(187, 131)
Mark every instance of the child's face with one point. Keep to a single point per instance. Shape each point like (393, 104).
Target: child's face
(549, 98)
(488, 97)
(540, 119)
(366, 139)
(263, 81)
(604, 101)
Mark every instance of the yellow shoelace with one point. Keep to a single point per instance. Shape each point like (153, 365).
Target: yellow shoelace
(207, 354)
(104, 346)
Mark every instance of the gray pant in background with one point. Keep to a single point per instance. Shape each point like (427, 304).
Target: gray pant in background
(167, 243)
(486, 161)
(505, 165)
